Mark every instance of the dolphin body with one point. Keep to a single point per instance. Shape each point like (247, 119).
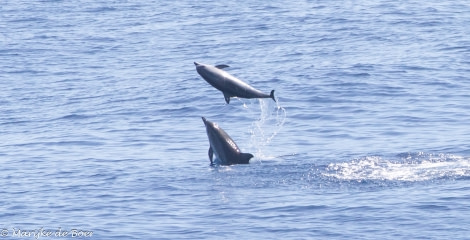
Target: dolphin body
(229, 85)
(223, 146)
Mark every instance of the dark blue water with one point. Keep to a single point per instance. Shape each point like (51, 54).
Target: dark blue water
(100, 108)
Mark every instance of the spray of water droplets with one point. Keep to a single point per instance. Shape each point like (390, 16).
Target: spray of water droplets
(263, 130)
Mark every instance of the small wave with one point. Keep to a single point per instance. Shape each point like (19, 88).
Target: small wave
(74, 117)
(100, 9)
(76, 143)
(411, 168)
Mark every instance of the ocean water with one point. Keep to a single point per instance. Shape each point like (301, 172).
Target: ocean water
(102, 137)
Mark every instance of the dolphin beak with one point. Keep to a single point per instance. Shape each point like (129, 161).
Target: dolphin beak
(204, 120)
(197, 64)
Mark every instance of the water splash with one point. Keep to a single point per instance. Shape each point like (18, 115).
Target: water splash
(412, 168)
(271, 119)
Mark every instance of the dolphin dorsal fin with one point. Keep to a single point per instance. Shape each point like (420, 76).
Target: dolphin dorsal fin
(222, 66)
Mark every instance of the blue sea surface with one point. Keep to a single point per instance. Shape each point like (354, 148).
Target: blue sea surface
(102, 137)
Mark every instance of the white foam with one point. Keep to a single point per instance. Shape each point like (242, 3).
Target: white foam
(408, 169)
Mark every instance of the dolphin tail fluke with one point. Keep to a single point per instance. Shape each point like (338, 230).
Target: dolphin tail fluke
(272, 95)
(245, 158)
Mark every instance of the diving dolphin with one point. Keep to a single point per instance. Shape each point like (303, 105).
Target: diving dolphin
(229, 85)
(222, 145)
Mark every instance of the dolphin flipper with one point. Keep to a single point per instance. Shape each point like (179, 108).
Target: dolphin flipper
(211, 155)
(227, 98)
(222, 66)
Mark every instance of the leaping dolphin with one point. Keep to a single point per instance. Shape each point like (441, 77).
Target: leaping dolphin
(223, 146)
(229, 85)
